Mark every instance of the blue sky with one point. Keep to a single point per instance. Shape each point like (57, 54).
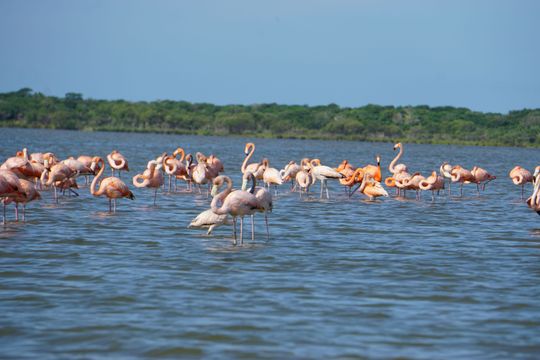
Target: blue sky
(481, 54)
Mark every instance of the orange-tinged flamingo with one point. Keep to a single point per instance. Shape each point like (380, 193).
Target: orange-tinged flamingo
(10, 187)
(117, 161)
(112, 187)
(303, 178)
(237, 203)
(175, 167)
(371, 187)
(288, 173)
(413, 183)
(521, 176)
(58, 173)
(434, 182)
(90, 162)
(151, 178)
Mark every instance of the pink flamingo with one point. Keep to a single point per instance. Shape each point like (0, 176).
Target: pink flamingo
(112, 187)
(433, 182)
(175, 167)
(254, 168)
(57, 174)
(481, 177)
(237, 203)
(446, 172)
(27, 192)
(461, 175)
(152, 178)
(117, 161)
(323, 173)
(288, 173)
(534, 200)
(521, 176)
(10, 187)
(271, 176)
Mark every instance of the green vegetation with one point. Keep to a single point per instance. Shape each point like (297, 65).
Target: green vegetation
(413, 124)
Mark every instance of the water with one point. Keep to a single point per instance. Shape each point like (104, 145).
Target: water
(339, 278)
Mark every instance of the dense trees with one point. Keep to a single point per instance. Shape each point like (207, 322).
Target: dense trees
(25, 108)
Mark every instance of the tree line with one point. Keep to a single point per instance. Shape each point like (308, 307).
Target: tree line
(412, 124)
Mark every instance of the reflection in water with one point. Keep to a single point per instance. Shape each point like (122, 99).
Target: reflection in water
(453, 278)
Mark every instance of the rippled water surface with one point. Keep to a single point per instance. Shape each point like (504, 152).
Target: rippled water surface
(339, 278)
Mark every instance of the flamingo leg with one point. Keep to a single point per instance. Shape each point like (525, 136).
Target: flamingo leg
(356, 188)
(170, 182)
(110, 205)
(114, 202)
(241, 230)
(24, 213)
(155, 196)
(266, 221)
(252, 227)
(461, 190)
(234, 230)
(4, 217)
(322, 188)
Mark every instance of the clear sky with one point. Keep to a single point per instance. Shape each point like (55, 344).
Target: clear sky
(481, 54)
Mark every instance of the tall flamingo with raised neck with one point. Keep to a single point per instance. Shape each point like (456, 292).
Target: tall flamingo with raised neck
(237, 203)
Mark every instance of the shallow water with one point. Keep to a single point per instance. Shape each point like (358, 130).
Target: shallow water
(339, 278)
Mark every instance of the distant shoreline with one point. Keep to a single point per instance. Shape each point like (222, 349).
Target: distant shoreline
(371, 123)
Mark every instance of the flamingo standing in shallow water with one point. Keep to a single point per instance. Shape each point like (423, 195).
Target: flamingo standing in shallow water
(461, 175)
(27, 192)
(446, 172)
(323, 173)
(399, 171)
(521, 176)
(237, 203)
(117, 161)
(481, 177)
(254, 168)
(271, 176)
(371, 187)
(534, 200)
(433, 182)
(152, 178)
(112, 187)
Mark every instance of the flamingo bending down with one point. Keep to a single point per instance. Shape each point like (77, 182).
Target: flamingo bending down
(152, 177)
(91, 163)
(521, 176)
(117, 161)
(433, 182)
(56, 175)
(237, 203)
(288, 173)
(175, 168)
(303, 178)
(413, 182)
(209, 219)
(112, 187)
(323, 173)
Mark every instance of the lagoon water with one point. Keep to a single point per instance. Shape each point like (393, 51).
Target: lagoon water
(339, 278)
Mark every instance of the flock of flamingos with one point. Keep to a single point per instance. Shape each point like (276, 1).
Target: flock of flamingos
(24, 175)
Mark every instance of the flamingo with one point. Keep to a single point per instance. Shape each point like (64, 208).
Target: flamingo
(371, 187)
(521, 176)
(254, 168)
(534, 200)
(303, 178)
(357, 176)
(446, 172)
(351, 180)
(10, 187)
(209, 219)
(152, 177)
(19, 165)
(90, 162)
(263, 196)
(271, 176)
(288, 173)
(323, 173)
(27, 192)
(57, 174)
(413, 183)
(237, 203)
(200, 172)
(117, 161)
(433, 182)
(112, 187)
(481, 177)
(461, 175)
(399, 171)
(175, 167)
